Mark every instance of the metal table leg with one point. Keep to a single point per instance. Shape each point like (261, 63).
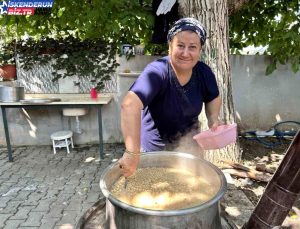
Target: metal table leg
(101, 152)
(5, 124)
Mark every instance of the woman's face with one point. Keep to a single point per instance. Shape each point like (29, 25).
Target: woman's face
(184, 50)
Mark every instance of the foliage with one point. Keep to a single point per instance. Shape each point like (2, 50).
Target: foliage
(89, 58)
(114, 21)
(7, 54)
(71, 26)
(273, 24)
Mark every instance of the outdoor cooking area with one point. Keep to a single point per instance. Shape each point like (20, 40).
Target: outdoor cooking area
(63, 189)
(158, 114)
(82, 179)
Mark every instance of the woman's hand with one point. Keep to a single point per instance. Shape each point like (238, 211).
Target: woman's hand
(213, 124)
(128, 163)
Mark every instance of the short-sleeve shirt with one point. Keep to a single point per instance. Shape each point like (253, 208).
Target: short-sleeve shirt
(169, 108)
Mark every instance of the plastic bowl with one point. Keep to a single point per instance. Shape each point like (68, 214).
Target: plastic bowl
(221, 137)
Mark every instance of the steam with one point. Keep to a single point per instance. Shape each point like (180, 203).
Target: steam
(186, 144)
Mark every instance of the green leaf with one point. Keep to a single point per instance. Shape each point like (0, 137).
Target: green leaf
(295, 67)
(270, 68)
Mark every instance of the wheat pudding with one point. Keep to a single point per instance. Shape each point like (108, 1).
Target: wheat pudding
(163, 189)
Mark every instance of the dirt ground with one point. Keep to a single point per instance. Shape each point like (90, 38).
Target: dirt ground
(254, 152)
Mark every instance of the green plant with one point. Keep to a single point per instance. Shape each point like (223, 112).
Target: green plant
(92, 59)
(7, 54)
(270, 24)
(114, 21)
(101, 26)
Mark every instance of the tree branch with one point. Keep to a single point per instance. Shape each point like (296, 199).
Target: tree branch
(235, 5)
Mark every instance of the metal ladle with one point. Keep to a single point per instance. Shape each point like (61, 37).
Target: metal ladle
(125, 183)
(126, 179)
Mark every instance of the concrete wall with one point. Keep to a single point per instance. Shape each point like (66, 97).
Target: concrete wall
(259, 100)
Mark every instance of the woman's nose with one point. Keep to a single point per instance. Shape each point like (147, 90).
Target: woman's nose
(185, 52)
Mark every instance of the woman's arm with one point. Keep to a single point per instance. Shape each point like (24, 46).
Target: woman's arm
(131, 129)
(212, 110)
(131, 121)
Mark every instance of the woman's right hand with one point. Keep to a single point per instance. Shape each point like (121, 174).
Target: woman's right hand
(128, 163)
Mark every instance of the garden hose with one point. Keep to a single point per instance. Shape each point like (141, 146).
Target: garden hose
(278, 134)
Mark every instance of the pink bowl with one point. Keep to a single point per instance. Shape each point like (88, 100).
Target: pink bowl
(221, 137)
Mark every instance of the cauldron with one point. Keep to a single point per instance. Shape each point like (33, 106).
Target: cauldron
(204, 216)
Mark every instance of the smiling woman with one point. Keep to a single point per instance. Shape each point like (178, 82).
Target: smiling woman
(184, 51)
(161, 109)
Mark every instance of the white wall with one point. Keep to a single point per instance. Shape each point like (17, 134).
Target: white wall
(260, 100)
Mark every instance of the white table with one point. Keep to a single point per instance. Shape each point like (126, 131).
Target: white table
(67, 101)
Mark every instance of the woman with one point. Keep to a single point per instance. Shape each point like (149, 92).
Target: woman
(164, 103)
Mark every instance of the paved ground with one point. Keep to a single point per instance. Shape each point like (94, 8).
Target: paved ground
(43, 190)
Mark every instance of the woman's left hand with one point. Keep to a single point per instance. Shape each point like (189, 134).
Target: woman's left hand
(213, 124)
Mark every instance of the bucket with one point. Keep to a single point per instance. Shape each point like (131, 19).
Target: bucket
(205, 215)
(11, 94)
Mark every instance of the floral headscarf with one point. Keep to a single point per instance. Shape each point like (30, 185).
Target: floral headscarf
(191, 24)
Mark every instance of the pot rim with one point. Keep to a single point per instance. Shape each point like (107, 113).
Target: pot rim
(205, 205)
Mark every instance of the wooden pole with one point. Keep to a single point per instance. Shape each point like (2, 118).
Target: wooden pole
(281, 192)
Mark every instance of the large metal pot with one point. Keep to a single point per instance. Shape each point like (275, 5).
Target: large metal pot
(205, 216)
(11, 94)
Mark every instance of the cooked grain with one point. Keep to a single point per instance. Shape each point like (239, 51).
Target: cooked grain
(163, 189)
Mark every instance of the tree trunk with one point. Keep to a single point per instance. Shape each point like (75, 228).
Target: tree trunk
(213, 14)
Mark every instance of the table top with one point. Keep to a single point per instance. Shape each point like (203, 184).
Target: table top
(75, 99)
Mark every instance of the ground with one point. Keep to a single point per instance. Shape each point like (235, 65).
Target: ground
(253, 151)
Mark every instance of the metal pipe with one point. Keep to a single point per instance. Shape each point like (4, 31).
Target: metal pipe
(78, 130)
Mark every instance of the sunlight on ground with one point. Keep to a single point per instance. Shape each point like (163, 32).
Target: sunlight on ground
(32, 132)
(89, 159)
(66, 226)
(233, 211)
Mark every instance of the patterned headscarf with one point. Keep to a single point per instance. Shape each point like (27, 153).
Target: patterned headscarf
(191, 24)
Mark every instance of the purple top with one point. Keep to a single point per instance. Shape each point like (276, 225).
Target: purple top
(170, 109)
